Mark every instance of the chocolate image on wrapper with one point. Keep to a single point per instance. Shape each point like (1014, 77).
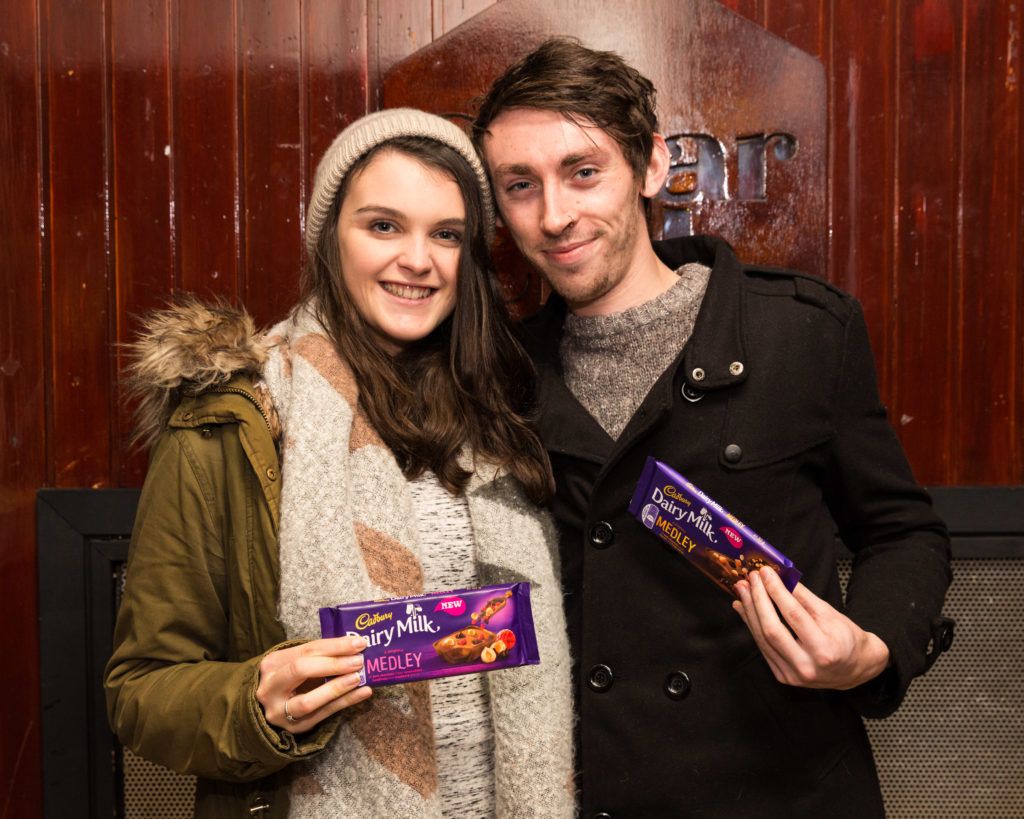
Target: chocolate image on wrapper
(439, 635)
(714, 541)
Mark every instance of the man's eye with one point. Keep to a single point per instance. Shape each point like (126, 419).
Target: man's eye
(586, 173)
(514, 187)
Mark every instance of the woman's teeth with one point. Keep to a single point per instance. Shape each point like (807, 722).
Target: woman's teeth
(407, 291)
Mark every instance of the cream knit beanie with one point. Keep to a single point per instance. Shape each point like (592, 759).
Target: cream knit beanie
(367, 133)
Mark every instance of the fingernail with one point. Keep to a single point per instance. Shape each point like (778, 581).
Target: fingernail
(352, 679)
(359, 642)
(356, 661)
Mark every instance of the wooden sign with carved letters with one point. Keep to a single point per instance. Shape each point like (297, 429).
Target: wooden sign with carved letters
(742, 110)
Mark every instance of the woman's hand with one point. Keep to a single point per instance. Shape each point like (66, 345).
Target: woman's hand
(292, 689)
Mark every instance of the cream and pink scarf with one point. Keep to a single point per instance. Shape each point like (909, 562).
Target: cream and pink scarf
(347, 534)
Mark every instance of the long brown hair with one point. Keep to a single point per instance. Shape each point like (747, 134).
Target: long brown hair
(468, 383)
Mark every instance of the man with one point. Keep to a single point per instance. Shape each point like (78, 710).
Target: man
(756, 384)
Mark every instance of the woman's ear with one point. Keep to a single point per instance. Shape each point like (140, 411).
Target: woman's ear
(657, 168)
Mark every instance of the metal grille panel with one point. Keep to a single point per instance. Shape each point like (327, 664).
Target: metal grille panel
(153, 792)
(148, 790)
(956, 746)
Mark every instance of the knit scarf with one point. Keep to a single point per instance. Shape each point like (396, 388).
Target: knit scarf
(347, 534)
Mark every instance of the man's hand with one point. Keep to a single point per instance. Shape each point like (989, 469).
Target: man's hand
(825, 648)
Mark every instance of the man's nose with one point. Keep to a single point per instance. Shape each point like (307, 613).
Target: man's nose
(558, 214)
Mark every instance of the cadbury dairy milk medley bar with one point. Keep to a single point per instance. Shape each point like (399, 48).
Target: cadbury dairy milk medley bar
(439, 635)
(714, 541)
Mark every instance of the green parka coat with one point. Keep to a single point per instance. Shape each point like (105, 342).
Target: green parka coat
(209, 516)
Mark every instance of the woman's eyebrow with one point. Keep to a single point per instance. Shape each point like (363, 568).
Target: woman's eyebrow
(381, 209)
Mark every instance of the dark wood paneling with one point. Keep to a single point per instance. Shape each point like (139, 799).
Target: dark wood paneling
(1014, 375)
(862, 166)
(451, 13)
(986, 444)
(403, 27)
(803, 23)
(80, 243)
(927, 353)
(22, 404)
(336, 84)
(205, 115)
(143, 235)
(751, 9)
(273, 118)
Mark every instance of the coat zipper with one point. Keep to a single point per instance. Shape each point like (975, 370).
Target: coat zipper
(252, 399)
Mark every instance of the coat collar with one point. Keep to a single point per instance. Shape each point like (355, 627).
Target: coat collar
(714, 357)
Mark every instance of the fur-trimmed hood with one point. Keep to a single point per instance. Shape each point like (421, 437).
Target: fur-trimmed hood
(185, 349)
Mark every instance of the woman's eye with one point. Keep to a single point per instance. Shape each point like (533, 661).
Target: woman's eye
(449, 236)
(382, 227)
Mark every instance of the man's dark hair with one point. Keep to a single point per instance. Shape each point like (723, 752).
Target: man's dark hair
(565, 76)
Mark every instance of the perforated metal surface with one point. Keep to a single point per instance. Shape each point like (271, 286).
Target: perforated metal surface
(153, 792)
(956, 746)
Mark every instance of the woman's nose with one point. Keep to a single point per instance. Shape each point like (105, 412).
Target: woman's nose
(415, 255)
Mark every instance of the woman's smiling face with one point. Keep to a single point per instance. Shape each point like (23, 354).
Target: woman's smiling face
(400, 235)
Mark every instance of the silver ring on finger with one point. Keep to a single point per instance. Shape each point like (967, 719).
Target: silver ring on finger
(288, 714)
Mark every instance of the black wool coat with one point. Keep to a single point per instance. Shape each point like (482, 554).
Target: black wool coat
(772, 409)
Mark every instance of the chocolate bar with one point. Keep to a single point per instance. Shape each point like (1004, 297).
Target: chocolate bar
(714, 541)
(439, 635)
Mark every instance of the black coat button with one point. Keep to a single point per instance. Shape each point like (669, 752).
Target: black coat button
(677, 685)
(602, 815)
(691, 394)
(733, 453)
(602, 534)
(600, 678)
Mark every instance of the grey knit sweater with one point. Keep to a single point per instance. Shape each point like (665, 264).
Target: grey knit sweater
(611, 362)
(460, 706)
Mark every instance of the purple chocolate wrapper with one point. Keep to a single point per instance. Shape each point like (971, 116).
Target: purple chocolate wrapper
(700, 529)
(439, 635)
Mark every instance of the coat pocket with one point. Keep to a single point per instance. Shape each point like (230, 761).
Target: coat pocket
(813, 727)
(770, 432)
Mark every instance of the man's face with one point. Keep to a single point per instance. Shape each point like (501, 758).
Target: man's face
(572, 203)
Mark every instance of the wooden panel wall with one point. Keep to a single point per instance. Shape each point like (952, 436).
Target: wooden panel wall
(926, 204)
(147, 147)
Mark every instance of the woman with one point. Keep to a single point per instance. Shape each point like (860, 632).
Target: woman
(371, 445)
